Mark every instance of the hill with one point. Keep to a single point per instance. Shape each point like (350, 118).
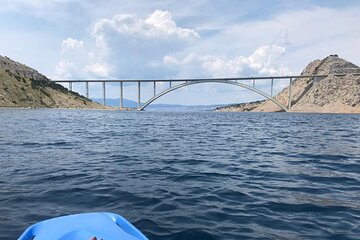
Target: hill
(22, 86)
(332, 94)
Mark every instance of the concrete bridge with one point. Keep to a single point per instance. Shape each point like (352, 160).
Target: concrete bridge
(175, 84)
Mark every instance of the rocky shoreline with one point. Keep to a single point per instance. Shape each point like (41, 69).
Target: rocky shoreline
(332, 94)
(241, 107)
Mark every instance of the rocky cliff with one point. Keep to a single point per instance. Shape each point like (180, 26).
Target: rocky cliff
(22, 86)
(332, 94)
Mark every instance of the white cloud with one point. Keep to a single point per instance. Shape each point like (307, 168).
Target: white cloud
(65, 70)
(263, 61)
(76, 62)
(308, 34)
(159, 24)
(133, 46)
(157, 46)
(222, 66)
(235, 40)
(126, 46)
(97, 69)
(71, 44)
(162, 23)
(264, 56)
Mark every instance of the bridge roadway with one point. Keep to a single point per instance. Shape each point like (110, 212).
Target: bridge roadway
(179, 83)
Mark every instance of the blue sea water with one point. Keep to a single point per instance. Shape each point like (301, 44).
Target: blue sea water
(184, 175)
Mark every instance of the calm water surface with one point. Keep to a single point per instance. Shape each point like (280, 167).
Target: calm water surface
(192, 175)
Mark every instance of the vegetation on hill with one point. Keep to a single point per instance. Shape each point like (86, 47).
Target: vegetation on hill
(22, 86)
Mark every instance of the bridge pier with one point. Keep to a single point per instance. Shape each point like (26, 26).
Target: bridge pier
(289, 106)
(272, 86)
(70, 86)
(121, 96)
(253, 83)
(138, 95)
(87, 89)
(154, 88)
(104, 94)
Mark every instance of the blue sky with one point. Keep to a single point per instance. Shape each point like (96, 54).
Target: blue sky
(175, 39)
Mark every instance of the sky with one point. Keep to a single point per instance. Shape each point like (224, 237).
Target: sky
(168, 39)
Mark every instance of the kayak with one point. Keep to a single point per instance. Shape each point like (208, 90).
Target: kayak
(85, 226)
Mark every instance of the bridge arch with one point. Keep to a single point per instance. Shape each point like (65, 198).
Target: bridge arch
(147, 103)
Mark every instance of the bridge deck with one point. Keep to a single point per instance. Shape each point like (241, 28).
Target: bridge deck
(189, 81)
(198, 79)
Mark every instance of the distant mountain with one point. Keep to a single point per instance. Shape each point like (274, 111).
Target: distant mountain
(115, 102)
(22, 86)
(333, 94)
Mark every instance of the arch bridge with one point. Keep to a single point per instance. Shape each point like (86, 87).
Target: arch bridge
(174, 84)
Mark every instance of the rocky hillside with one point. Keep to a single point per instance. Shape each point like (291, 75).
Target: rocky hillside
(22, 86)
(332, 94)
(241, 107)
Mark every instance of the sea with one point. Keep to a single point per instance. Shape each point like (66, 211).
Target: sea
(198, 175)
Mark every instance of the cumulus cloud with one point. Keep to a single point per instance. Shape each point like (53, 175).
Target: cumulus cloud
(126, 46)
(65, 70)
(133, 44)
(263, 61)
(70, 44)
(129, 46)
(188, 44)
(308, 34)
(159, 24)
(76, 62)
(97, 69)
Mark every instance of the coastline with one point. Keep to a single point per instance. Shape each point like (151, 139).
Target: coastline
(214, 110)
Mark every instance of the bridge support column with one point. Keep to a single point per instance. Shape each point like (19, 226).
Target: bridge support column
(121, 96)
(154, 88)
(289, 107)
(87, 89)
(138, 95)
(104, 94)
(272, 87)
(253, 83)
(70, 86)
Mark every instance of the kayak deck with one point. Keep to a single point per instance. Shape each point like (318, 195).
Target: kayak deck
(85, 226)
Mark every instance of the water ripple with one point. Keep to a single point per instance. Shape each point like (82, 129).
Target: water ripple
(184, 175)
